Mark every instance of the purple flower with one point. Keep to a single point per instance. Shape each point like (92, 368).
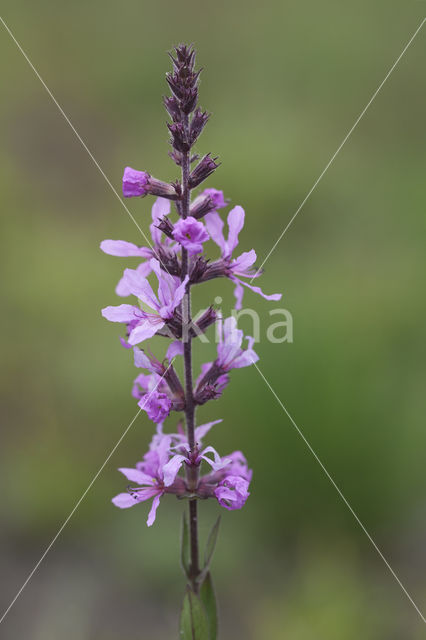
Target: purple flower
(159, 392)
(232, 492)
(240, 266)
(230, 355)
(134, 182)
(144, 325)
(156, 403)
(157, 406)
(149, 475)
(191, 234)
(162, 244)
(171, 469)
(230, 483)
(216, 196)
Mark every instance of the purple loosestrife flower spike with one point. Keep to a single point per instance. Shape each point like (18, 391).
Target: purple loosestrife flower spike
(179, 463)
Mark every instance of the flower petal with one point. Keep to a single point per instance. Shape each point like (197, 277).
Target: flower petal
(142, 271)
(153, 512)
(120, 313)
(171, 469)
(240, 265)
(214, 224)
(139, 286)
(179, 293)
(272, 296)
(201, 431)
(134, 475)
(175, 349)
(141, 360)
(218, 462)
(124, 249)
(124, 501)
(146, 329)
(235, 223)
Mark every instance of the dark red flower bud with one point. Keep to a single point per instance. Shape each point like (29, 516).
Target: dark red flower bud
(204, 168)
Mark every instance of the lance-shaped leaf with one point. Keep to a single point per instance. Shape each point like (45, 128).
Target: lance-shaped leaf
(208, 599)
(185, 551)
(193, 620)
(211, 543)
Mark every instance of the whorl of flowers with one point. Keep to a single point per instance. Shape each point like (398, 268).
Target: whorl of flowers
(175, 261)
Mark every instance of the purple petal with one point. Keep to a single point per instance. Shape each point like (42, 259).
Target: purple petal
(241, 265)
(140, 287)
(124, 501)
(175, 349)
(179, 293)
(124, 249)
(163, 451)
(146, 329)
(142, 271)
(153, 512)
(235, 223)
(120, 313)
(239, 294)
(160, 208)
(214, 224)
(171, 469)
(134, 475)
(272, 296)
(247, 358)
(141, 360)
(218, 462)
(201, 431)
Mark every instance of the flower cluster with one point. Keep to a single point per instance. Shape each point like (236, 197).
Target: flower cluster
(157, 474)
(173, 263)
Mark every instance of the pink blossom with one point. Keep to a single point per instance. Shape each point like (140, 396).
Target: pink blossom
(146, 324)
(230, 355)
(149, 476)
(241, 266)
(134, 182)
(191, 234)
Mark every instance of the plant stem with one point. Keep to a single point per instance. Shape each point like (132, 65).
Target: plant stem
(192, 472)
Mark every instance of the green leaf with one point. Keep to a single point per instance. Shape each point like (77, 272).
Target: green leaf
(185, 551)
(211, 543)
(208, 598)
(193, 620)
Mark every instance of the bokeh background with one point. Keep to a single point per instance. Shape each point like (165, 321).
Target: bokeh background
(284, 81)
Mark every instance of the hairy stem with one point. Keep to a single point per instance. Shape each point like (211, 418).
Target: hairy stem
(192, 472)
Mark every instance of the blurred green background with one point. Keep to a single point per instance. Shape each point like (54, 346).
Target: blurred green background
(285, 81)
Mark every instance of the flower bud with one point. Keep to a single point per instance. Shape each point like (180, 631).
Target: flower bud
(204, 168)
(134, 183)
(166, 227)
(179, 138)
(140, 183)
(199, 121)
